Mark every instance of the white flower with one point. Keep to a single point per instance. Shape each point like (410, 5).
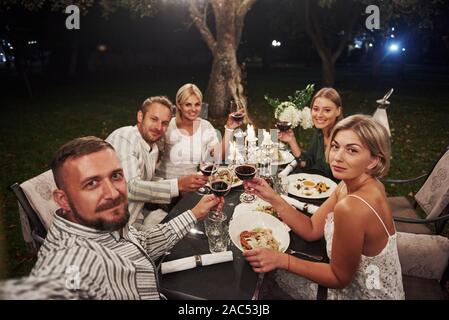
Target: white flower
(287, 111)
(306, 118)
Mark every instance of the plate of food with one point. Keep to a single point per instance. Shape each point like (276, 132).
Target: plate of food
(254, 230)
(258, 205)
(233, 179)
(311, 186)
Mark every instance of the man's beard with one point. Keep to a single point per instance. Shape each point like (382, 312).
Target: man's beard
(101, 224)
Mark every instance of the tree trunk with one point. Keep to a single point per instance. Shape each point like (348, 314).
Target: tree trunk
(224, 76)
(328, 69)
(225, 80)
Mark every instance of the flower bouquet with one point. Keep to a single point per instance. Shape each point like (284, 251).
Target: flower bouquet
(295, 110)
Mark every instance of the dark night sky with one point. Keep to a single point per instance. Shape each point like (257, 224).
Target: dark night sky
(168, 36)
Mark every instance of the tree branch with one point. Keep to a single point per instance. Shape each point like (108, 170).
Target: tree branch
(242, 10)
(313, 29)
(347, 36)
(200, 22)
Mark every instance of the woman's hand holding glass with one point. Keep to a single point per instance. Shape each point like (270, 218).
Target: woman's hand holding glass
(261, 188)
(287, 136)
(236, 116)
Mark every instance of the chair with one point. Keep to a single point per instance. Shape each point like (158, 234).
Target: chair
(36, 207)
(433, 198)
(424, 256)
(424, 262)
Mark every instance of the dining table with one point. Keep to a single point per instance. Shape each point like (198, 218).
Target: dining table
(232, 280)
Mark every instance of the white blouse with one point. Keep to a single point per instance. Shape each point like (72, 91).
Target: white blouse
(183, 152)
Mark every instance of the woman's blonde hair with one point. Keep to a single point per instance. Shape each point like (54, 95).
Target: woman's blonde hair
(184, 93)
(332, 95)
(373, 135)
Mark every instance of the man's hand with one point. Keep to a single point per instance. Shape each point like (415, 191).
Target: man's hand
(206, 203)
(191, 182)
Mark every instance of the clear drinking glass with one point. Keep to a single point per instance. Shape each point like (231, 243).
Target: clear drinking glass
(216, 229)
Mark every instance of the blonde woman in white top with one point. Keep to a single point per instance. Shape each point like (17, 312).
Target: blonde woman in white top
(355, 221)
(189, 139)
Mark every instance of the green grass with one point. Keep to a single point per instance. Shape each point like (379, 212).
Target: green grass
(32, 129)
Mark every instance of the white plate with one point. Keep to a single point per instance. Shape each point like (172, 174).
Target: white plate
(252, 220)
(286, 157)
(235, 184)
(255, 207)
(294, 180)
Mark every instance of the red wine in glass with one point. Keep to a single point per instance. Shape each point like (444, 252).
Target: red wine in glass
(283, 126)
(237, 116)
(220, 188)
(245, 172)
(208, 169)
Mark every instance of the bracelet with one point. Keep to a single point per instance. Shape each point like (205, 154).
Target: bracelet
(229, 129)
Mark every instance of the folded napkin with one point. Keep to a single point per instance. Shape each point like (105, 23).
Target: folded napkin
(195, 261)
(309, 208)
(288, 169)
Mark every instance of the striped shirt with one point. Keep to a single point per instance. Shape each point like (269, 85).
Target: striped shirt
(78, 262)
(139, 159)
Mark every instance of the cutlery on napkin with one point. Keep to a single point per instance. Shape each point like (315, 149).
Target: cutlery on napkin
(196, 261)
(289, 168)
(300, 205)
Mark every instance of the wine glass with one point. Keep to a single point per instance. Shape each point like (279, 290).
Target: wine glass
(283, 126)
(207, 169)
(236, 114)
(246, 172)
(220, 183)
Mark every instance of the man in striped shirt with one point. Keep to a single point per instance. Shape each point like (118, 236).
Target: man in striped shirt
(138, 152)
(90, 252)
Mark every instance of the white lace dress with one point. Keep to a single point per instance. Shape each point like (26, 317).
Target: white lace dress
(377, 277)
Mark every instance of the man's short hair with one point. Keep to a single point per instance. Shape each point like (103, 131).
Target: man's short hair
(156, 99)
(73, 149)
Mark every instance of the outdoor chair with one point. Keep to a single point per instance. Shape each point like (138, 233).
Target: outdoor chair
(423, 252)
(36, 207)
(433, 199)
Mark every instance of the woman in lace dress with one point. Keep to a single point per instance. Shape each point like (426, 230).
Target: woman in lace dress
(355, 221)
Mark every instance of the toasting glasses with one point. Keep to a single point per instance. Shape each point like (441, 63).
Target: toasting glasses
(207, 169)
(220, 182)
(246, 172)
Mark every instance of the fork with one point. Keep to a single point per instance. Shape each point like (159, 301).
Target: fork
(309, 256)
(258, 286)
